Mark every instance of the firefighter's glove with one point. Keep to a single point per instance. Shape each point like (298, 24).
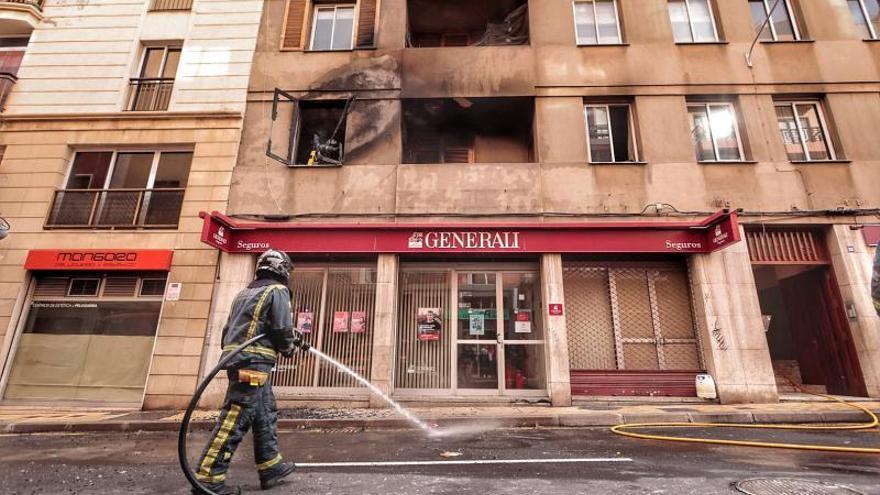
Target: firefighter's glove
(299, 341)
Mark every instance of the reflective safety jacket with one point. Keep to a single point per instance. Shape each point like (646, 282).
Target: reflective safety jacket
(262, 308)
(875, 282)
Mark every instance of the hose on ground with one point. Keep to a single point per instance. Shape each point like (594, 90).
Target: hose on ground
(187, 416)
(622, 430)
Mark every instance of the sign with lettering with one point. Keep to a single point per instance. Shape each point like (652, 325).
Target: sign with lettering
(464, 240)
(99, 259)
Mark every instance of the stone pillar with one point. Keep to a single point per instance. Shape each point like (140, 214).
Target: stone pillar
(558, 374)
(236, 272)
(384, 326)
(731, 329)
(852, 262)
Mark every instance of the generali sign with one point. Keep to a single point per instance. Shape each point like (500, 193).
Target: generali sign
(645, 236)
(98, 259)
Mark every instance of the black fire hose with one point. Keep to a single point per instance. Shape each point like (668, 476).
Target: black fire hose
(184, 425)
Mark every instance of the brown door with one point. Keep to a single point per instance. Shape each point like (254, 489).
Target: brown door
(821, 332)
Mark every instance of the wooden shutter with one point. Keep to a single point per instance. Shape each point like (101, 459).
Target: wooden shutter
(366, 29)
(293, 37)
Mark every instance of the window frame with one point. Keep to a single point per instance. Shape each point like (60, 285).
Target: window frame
(111, 168)
(577, 38)
(632, 131)
(98, 288)
(823, 123)
(792, 18)
(871, 29)
(166, 49)
(687, 3)
(314, 27)
(707, 105)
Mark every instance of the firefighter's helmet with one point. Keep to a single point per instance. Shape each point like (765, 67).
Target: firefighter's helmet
(275, 263)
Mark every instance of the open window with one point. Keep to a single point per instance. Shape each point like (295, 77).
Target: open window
(308, 132)
(434, 23)
(468, 130)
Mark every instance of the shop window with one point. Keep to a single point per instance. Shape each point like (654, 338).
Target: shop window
(715, 131)
(468, 130)
(804, 131)
(308, 132)
(434, 23)
(151, 89)
(866, 15)
(81, 287)
(597, 22)
(693, 21)
(611, 133)
(783, 25)
(325, 25)
(107, 189)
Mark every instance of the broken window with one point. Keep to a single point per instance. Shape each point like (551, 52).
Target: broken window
(308, 132)
(468, 130)
(435, 23)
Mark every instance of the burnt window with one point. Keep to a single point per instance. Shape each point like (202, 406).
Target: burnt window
(468, 130)
(465, 22)
(308, 132)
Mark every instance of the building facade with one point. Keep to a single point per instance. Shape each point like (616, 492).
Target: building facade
(121, 122)
(560, 200)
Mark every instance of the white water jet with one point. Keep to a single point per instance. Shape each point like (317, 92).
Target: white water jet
(397, 407)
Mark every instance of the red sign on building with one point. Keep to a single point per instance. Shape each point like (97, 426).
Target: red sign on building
(556, 310)
(872, 234)
(99, 259)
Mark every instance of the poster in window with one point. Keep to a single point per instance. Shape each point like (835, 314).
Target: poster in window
(429, 324)
(340, 321)
(305, 321)
(358, 322)
(523, 323)
(477, 320)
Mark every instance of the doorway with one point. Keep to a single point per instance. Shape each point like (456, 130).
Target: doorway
(806, 324)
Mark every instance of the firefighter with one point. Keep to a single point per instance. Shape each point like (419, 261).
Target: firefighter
(263, 307)
(875, 282)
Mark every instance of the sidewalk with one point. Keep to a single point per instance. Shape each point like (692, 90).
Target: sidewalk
(21, 420)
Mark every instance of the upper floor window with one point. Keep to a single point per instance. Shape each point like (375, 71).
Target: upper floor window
(804, 132)
(333, 27)
(122, 189)
(715, 131)
(867, 17)
(596, 22)
(151, 89)
(611, 133)
(166, 5)
(692, 21)
(783, 22)
(433, 23)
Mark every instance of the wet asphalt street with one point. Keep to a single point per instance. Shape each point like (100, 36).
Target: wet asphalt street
(146, 463)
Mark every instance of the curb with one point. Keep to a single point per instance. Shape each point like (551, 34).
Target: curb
(562, 420)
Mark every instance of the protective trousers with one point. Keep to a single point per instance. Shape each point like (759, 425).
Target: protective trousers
(249, 403)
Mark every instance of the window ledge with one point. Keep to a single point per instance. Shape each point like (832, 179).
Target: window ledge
(618, 163)
(871, 40)
(686, 43)
(315, 166)
(591, 45)
(787, 42)
(728, 162)
(807, 162)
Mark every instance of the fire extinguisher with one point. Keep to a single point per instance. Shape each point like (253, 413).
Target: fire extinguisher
(520, 379)
(509, 376)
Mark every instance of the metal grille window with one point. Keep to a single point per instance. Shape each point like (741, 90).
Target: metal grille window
(151, 90)
(596, 22)
(782, 26)
(630, 317)
(611, 133)
(334, 308)
(866, 14)
(692, 21)
(804, 132)
(423, 364)
(165, 5)
(333, 27)
(715, 132)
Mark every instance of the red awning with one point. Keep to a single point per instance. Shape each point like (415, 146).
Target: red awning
(99, 259)
(659, 236)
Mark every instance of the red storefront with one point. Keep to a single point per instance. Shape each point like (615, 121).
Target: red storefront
(473, 309)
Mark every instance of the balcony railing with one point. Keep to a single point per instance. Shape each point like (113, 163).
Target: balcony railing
(116, 208)
(7, 82)
(150, 94)
(38, 4)
(159, 5)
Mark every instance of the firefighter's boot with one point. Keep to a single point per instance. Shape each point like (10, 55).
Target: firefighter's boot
(219, 489)
(274, 476)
